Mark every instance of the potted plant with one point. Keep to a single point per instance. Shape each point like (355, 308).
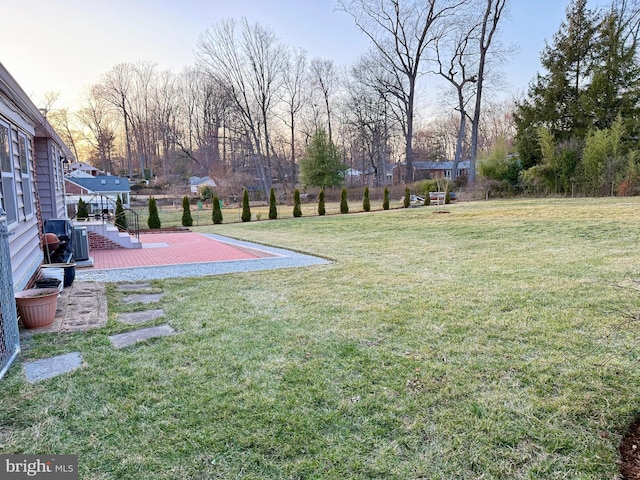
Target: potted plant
(37, 306)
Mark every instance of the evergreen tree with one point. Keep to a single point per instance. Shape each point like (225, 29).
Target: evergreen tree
(344, 204)
(385, 199)
(187, 219)
(273, 208)
(121, 217)
(297, 210)
(407, 197)
(321, 210)
(427, 199)
(366, 204)
(321, 165)
(154, 219)
(216, 214)
(83, 211)
(246, 209)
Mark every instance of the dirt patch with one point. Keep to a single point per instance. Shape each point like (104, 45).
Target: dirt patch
(630, 452)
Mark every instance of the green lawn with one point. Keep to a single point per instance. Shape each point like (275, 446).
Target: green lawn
(482, 343)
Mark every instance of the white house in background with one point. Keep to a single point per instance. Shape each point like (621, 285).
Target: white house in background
(196, 183)
(83, 167)
(32, 177)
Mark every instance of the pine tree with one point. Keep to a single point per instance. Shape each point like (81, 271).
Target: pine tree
(344, 204)
(83, 211)
(273, 208)
(154, 219)
(321, 210)
(322, 165)
(297, 210)
(407, 197)
(216, 215)
(187, 219)
(121, 217)
(385, 199)
(246, 209)
(366, 204)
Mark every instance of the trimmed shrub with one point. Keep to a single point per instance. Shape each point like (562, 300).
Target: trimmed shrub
(344, 204)
(427, 199)
(447, 198)
(273, 208)
(385, 200)
(216, 215)
(83, 211)
(366, 204)
(407, 197)
(154, 220)
(246, 209)
(297, 210)
(121, 217)
(187, 219)
(321, 210)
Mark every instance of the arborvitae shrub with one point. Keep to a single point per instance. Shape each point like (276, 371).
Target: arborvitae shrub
(121, 217)
(187, 219)
(407, 197)
(447, 198)
(154, 219)
(321, 210)
(273, 208)
(427, 199)
(246, 209)
(385, 200)
(344, 204)
(83, 211)
(366, 204)
(216, 215)
(297, 210)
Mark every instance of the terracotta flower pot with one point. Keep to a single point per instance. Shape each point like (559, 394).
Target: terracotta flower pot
(37, 306)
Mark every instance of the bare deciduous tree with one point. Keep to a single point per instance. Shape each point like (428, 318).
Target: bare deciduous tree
(401, 31)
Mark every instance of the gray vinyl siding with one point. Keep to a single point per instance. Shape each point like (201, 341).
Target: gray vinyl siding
(50, 179)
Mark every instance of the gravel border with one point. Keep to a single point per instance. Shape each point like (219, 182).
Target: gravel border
(282, 259)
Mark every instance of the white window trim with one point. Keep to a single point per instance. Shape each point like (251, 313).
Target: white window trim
(10, 175)
(27, 177)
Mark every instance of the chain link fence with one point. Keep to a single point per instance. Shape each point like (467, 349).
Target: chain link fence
(9, 335)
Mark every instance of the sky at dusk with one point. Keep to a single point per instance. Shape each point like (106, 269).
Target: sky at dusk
(65, 46)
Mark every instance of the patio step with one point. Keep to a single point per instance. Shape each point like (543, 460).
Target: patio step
(104, 236)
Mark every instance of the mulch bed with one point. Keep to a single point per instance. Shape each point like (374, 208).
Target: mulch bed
(630, 452)
(165, 230)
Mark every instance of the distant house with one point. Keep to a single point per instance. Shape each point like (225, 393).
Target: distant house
(98, 192)
(427, 170)
(83, 167)
(196, 183)
(32, 183)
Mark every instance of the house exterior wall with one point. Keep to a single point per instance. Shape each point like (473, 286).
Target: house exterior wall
(50, 178)
(17, 148)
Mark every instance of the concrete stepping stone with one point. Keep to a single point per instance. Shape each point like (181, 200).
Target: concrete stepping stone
(133, 287)
(45, 368)
(137, 318)
(121, 340)
(142, 298)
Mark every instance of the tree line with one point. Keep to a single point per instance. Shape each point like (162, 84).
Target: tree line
(577, 128)
(249, 105)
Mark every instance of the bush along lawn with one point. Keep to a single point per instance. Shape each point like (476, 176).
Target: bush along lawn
(486, 343)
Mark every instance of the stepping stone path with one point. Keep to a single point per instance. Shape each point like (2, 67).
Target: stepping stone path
(137, 318)
(121, 340)
(52, 367)
(45, 368)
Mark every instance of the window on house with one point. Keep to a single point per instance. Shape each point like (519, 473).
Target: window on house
(24, 153)
(7, 184)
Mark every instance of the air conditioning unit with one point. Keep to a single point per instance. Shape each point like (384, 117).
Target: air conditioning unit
(80, 244)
